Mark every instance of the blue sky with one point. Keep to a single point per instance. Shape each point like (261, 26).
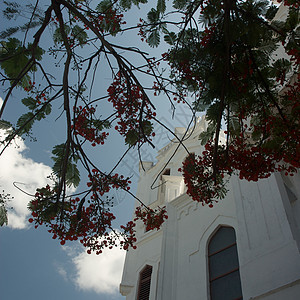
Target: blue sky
(33, 266)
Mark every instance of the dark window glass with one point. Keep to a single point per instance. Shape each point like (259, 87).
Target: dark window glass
(223, 262)
(224, 236)
(224, 276)
(227, 287)
(144, 283)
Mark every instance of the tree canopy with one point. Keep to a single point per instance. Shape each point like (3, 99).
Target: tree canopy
(229, 58)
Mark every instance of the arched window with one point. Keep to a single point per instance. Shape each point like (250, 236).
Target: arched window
(144, 283)
(224, 275)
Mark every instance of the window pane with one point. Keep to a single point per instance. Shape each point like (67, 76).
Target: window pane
(223, 262)
(225, 236)
(227, 287)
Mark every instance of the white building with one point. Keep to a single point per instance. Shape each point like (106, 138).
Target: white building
(245, 247)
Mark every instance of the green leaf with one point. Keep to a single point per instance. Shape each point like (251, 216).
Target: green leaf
(30, 102)
(147, 127)
(133, 136)
(104, 6)
(280, 68)
(5, 125)
(161, 6)
(271, 12)
(205, 136)
(38, 52)
(72, 175)
(267, 46)
(25, 122)
(180, 4)
(57, 38)
(14, 58)
(12, 10)
(100, 124)
(45, 110)
(126, 4)
(170, 38)
(79, 34)
(153, 16)
(292, 20)
(200, 106)
(154, 38)
(8, 32)
(72, 172)
(256, 135)
(234, 126)
(213, 112)
(31, 24)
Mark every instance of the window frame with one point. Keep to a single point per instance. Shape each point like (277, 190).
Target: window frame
(220, 250)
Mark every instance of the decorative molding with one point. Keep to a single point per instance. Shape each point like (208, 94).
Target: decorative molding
(125, 289)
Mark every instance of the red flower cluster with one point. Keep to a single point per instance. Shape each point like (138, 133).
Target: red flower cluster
(30, 86)
(141, 32)
(202, 185)
(102, 183)
(277, 148)
(133, 109)
(153, 219)
(109, 21)
(84, 126)
(129, 235)
(293, 3)
(295, 56)
(207, 34)
(70, 221)
(91, 224)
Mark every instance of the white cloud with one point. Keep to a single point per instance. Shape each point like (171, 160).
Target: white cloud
(61, 271)
(100, 273)
(27, 175)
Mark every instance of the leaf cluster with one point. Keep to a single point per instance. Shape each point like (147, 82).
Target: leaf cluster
(16, 60)
(72, 175)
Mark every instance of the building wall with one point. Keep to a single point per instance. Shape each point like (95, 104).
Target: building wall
(264, 214)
